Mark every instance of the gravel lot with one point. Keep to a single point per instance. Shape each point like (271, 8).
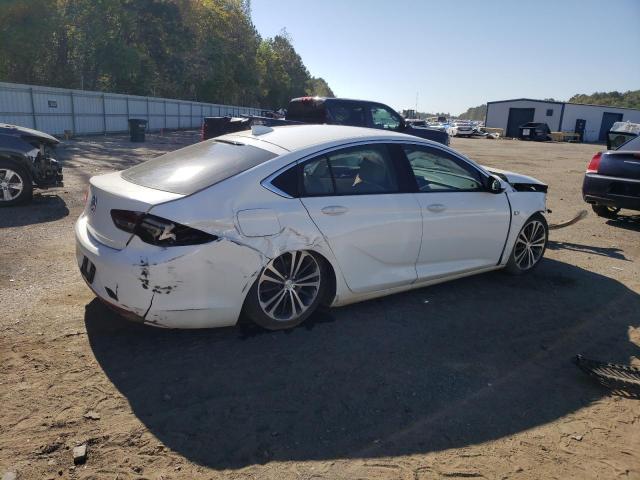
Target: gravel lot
(471, 378)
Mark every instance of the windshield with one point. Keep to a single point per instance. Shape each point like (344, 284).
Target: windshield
(198, 166)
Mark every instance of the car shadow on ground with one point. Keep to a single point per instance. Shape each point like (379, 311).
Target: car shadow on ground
(436, 368)
(628, 222)
(44, 207)
(611, 252)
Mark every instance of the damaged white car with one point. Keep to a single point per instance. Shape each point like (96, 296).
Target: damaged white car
(269, 224)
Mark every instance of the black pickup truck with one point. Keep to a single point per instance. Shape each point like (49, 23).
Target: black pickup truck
(334, 111)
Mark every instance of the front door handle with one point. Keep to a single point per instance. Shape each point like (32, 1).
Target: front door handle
(436, 207)
(334, 210)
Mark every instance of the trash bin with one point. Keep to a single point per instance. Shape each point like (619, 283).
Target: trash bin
(137, 129)
(535, 131)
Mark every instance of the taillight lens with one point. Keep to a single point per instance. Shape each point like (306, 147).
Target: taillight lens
(159, 231)
(594, 163)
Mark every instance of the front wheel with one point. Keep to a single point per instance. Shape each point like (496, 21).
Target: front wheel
(530, 246)
(15, 185)
(605, 211)
(288, 290)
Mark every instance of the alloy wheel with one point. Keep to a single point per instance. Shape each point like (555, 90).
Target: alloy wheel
(11, 185)
(530, 245)
(289, 285)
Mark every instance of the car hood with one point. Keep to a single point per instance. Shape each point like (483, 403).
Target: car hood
(17, 130)
(513, 177)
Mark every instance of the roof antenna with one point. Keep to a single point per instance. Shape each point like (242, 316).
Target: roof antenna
(260, 129)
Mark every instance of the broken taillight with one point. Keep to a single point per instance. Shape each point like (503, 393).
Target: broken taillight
(594, 163)
(159, 231)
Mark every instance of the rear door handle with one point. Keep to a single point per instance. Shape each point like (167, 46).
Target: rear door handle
(334, 210)
(436, 207)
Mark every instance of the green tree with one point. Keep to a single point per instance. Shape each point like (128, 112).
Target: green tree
(205, 50)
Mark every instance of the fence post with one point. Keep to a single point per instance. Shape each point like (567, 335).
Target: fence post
(104, 114)
(190, 114)
(148, 116)
(165, 114)
(73, 113)
(33, 109)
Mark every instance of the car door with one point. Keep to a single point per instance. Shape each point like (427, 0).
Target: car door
(464, 225)
(358, 199)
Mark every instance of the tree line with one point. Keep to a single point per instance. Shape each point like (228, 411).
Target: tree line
(203, 50)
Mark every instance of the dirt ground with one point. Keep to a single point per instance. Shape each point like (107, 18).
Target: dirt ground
(472, 378)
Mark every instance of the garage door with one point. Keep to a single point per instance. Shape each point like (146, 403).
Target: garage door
(518, 116)
(608, 119)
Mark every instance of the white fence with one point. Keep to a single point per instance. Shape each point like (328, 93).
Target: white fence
(81, 112)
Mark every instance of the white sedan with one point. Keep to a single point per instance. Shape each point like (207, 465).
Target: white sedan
(271, 223)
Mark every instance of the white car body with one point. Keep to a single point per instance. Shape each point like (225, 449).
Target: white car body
(461, 129)
(376, 244)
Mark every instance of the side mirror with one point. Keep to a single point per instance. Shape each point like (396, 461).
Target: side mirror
(494, 185)
(403, 125)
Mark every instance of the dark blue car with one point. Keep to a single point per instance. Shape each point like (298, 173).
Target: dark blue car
(612, 180)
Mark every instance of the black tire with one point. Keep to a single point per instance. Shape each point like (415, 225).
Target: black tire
(21, 176)
(605, 211)
(253, 307)
(517, 264)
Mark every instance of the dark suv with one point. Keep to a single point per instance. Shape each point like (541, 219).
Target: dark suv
(25, 162)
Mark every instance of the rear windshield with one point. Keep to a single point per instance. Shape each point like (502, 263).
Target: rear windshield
(310, 110)
(631, 145)
(198, 166)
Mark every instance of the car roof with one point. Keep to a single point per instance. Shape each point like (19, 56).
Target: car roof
(298, 137)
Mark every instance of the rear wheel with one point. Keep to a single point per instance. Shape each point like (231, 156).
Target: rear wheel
(530, 246)
(605, 211)
(15, 184)
(288, 290)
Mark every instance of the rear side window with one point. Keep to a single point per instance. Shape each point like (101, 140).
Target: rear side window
(287, 182)
(367, 169)
(198, 166)
(347, 113)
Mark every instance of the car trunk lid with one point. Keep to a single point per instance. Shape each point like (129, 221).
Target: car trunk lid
(111, 192)
(621, 164)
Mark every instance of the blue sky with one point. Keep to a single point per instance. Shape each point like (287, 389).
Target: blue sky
(461, 53)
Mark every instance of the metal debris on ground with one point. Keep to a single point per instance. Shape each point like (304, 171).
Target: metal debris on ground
(624, 380)
(582, 214)
(80, 454)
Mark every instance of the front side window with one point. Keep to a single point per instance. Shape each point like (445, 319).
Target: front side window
(384, 118)
(366, 169)
(437, 171)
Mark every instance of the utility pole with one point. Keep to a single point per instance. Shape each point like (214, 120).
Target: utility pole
(416, 105)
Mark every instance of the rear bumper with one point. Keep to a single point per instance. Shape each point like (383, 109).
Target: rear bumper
(199, 286)
(611, 191)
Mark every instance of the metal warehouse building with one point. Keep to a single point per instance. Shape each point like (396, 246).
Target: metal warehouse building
(593, 121)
